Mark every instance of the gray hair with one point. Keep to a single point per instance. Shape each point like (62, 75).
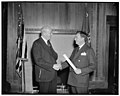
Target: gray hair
(45, 29)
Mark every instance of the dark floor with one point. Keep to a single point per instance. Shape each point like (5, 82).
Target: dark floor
(112, 90)
(91, 92)
(103, 92)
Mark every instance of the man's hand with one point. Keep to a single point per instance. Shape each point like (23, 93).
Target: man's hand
(78, 71)
(57, 66)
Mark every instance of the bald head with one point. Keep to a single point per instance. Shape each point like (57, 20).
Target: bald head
(46, 32)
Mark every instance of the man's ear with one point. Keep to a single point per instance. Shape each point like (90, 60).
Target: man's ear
(83, 38)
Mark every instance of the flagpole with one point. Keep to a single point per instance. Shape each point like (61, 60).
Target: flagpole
(23, 74)
(21, 34)
(23, 59)
(23, 69)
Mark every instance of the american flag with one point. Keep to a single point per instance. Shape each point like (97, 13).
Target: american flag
(21, 43)
(86, 24)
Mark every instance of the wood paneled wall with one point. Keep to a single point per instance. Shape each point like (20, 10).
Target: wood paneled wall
(61, 16)
(102, 39)
(11, 75)
(57, 15)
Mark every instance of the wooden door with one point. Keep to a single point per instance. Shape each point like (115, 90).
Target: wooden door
(113, 55)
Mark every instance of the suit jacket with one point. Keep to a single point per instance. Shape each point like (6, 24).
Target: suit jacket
(83, 59)
(44, 58)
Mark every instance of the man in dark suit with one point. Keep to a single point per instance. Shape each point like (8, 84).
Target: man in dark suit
(83, 57)
(45, 62)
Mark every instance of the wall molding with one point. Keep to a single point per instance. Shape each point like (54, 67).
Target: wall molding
(55, 31)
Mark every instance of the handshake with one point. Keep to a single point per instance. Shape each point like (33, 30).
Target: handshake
(57, 66)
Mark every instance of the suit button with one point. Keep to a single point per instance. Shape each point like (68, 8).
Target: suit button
(78, 60)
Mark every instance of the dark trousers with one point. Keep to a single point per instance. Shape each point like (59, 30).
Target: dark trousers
(79, 90)
(48, 87)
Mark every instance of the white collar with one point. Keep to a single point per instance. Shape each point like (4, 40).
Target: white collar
(44, 39)
(81, 46)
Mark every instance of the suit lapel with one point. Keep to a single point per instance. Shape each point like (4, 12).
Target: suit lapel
(80, 51)
(45, 46)
(76, 53)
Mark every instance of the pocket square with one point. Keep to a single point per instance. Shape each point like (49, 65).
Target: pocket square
(84, 54)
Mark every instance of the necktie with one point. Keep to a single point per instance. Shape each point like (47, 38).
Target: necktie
(48, 43)
(77, 50)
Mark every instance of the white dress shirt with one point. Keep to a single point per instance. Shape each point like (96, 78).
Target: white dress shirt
(44, 39)
(81, 46)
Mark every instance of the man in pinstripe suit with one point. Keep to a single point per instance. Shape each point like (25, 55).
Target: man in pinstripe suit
(45, 62)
